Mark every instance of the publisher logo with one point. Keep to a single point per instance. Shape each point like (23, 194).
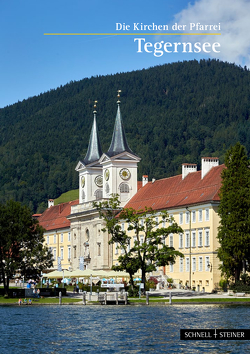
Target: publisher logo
(215, 334)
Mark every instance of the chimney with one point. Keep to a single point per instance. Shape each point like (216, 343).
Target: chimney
(50, 203)
(144, 180)
(187, 168)
(207, 163)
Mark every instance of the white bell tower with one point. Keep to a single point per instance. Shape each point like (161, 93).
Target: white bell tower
(90, 170)
(119, 164)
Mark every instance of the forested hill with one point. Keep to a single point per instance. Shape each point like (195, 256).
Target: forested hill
(172, 114)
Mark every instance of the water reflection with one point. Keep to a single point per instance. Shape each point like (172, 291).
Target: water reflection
(118, 329)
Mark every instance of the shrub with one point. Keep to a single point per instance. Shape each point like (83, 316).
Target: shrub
(223, 284)
(239, 287)
(245, 278)
(150, 285)
(154, 280)
(133, 292)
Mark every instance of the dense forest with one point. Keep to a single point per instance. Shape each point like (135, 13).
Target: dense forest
(172, 114)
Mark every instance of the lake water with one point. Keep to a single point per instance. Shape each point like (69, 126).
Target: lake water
(118, 329)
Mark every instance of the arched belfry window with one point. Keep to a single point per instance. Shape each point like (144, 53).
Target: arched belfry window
(124, 188)
(98, 194)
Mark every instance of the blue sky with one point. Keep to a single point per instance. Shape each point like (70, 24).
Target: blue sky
(32, 63)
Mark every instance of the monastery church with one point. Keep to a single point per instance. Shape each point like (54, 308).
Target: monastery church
(100, 175)
(74, 230)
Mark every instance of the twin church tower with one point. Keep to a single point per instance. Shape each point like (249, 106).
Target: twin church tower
(100, 176)
(114, 172)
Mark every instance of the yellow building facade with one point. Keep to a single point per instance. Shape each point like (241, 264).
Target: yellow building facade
(59, 243)
(193, 203)
(58, 235)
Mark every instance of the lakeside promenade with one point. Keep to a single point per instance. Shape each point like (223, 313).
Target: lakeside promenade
(161, 297)
(175, 294)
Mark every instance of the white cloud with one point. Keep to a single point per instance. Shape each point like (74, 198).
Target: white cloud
(234, 19)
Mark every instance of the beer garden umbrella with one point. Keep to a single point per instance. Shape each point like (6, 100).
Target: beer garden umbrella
(57, 274)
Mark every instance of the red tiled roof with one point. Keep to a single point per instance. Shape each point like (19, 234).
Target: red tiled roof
(56, 216)
(139, 185)
(175, 192)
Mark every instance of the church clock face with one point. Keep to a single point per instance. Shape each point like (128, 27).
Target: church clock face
(83, 181)
(125, 173)
(106, 174)
(99, 181)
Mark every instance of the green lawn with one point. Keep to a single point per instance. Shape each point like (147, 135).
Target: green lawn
(55, 300)
(67, 196)
(45, 300)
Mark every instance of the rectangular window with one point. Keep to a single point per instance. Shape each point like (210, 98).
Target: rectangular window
(171, 240)
(69, 236)
(187, 264)
(200, 215)
(200, 238)
(163, 223)
(207, 263)
(156, 222)
(141, 240)
(181, 218)
(180, 240)
(142, 222)
(171, 219)
(135, 239)
(69, 253)
(200, 264)
(61, 237)
(194, 264)
(116, 248)
(193, 216)
(62, 253)
(47, 240)
(181, 264)
(187, 217)
(122, 226)
(207, 214)
(193, 238)
(54, 238)
(54, 253)
(187, 239)
(207, 238)
(171, 267)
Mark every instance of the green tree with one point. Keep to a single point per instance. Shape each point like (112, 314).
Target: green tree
(149, 250)
(21, 243)
(234, 212)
